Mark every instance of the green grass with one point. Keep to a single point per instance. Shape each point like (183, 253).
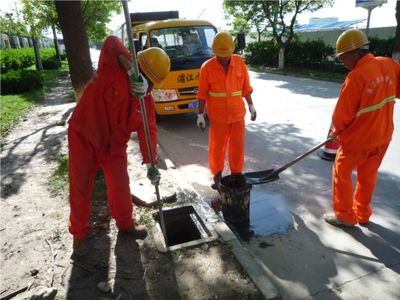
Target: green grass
(302, 72)
(146, 217)
(59, 180)
(14, 107)
(324, 75)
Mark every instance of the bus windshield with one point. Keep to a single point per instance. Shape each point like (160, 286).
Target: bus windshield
(187, 47)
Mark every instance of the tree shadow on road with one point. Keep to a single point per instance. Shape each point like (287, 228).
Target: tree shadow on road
(43, 142)
(383, 243)
(19, 153)
(93, 268)
(129, 277)
(300, 251)
(127, 271)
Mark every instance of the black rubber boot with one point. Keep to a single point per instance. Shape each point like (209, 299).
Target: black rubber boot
(138, 232)
(217, 180)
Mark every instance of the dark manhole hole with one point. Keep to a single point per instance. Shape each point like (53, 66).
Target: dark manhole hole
(184, 228)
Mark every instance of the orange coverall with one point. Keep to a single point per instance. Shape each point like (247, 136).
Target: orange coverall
(98, 132)
(363, 124)
(223, 93)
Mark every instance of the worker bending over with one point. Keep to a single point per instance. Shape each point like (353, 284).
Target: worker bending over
(363, 125)
(99, 131)
(223, 83)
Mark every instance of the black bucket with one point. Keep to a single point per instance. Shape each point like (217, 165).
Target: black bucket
(235, 196)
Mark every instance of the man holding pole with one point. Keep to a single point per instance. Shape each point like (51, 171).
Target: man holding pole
(363, 125)
(99, 130)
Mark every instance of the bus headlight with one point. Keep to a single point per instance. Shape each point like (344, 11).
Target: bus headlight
(162, 95)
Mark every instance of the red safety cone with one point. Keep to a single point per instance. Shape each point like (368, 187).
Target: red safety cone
(329, 151)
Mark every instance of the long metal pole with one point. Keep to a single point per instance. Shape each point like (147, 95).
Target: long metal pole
(144, 114)
(302, 156)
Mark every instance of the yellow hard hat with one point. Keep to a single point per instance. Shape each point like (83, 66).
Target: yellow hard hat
(155, 63)
(222, 45)
(350, 40)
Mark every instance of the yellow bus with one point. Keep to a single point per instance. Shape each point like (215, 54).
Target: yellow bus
(188, 44)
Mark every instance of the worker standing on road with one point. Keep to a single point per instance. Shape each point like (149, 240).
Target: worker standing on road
(224, 81)
(363, 125)
(98, 133)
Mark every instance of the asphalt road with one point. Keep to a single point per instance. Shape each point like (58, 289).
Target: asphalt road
(304, 257)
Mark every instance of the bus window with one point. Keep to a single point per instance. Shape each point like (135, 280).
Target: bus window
(142, 41)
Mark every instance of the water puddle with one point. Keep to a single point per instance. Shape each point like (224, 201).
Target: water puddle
(269, 215)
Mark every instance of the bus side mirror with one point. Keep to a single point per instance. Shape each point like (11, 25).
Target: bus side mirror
(241, 41)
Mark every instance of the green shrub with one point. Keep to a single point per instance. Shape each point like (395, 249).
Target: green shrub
(47, 53)
(263, 53)
(17, 59)
(311, 54)
(51, 63)
(315, 55)
(15, 82)
(380, 47)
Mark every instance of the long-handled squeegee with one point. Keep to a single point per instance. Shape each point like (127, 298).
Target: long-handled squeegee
(260, 177)
(144, 114)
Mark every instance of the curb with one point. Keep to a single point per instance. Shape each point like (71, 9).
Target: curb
(252, 265)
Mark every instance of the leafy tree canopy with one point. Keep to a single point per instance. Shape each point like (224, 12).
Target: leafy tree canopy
(34, 16)
(96, 15)
(278, 15)
(41, 15)
(247, 15)
(11, 25)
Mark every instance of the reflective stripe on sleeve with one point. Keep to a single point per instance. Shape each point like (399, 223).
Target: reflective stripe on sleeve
(375, 107)
(214, 94)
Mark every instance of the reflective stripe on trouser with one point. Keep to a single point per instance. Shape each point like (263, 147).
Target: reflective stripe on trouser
(84, 162)
(350, 205)
(222, 135)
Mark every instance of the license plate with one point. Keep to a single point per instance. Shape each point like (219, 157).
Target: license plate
(193, 104)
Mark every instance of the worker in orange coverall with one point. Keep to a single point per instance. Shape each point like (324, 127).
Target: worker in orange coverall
(363, 125)
(99, 130)
(223, 83)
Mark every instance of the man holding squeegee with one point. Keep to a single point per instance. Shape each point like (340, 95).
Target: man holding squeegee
(363, 126)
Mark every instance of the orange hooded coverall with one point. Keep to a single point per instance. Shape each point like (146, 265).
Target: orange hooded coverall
(98, 132)
(223, 93)
(363, 124)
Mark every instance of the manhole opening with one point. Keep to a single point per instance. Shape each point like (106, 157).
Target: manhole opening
(183, 225)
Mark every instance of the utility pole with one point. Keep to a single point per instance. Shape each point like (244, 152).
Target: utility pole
(369, 5)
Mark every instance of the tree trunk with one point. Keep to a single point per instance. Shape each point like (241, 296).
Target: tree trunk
(38, 59)
(76, 43)
(396, 46)
(53, 27)
(281, 62)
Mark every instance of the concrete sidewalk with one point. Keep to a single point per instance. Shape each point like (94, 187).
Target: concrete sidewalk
(299, 254)
(305, 257)
(251, 264)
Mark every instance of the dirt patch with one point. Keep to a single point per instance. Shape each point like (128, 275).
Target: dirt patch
(36, 246)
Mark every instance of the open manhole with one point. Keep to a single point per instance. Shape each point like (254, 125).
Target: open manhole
(184, 228)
